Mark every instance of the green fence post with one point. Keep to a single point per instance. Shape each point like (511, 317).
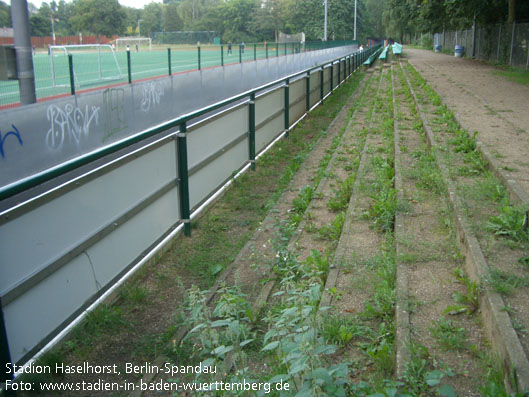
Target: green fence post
(287, 107)
(322, 79)
(169, 61)
(199, 66)
(277, 49)
(183, 176)
(332, 77)
(221, 55)
(240, 54)
(266, 50)
(285, 49)
(72, 80)
(255, 52)
(128, 67)
(307, 91)
(252, 130)
(339, 74)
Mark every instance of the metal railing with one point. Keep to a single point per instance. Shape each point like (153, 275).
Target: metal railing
(126, 206)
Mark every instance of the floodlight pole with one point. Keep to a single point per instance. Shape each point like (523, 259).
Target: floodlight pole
(24, 56)
(53, 28)
(325, 22)
(354, 36)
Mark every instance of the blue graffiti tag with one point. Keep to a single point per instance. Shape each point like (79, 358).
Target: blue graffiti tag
(15, 133)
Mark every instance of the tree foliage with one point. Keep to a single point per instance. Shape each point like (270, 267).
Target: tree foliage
(249, 20)
(100, 17)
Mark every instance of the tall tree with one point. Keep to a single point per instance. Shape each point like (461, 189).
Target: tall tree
(268, 19)
(171, 20)
(235, 16)
(151, 19)
(5, 18)
(101, 17)
(306, 16)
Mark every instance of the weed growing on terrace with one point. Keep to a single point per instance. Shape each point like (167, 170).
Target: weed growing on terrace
(448, 334)
(511, 223)
(467, 302)
(340, 201)
(505, 283)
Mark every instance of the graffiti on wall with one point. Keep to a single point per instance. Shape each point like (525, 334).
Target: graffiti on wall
(114, 106)
(152, 94)
(15, 133)
(70, 123)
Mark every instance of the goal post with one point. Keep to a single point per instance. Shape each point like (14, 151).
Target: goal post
(141, 42)
(92, 64)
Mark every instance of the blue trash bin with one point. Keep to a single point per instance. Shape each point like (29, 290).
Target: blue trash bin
(437, 48)
(459, 51)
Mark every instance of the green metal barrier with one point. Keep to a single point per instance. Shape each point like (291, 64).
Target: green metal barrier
(68, 166)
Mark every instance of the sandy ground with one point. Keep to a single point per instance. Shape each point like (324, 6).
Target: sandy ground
(495, 107)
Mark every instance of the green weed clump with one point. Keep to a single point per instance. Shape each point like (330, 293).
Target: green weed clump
(510, 223)
(449, 335)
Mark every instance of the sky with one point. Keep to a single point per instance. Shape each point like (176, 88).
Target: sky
(128, 3)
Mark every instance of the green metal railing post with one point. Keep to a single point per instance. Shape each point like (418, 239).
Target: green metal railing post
(221, 55)
(169, 61)
(307, 91)
(332, 79)
(183, 176)
(252, 131)
(255, 52)
(287, 107)
(240, 54)
(277, 49)
(266, 50)
(339, 74)
(285, 49)
(199, 65)
(322, 79)
(128, 67)
(72, 80)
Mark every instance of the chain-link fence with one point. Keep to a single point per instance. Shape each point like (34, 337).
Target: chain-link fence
(505, 43)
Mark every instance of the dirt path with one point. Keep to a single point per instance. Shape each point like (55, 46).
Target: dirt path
(483, 102)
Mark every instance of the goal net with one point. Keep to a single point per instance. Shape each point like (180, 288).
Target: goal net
(141, 43)
(92, 64)
(291, 38)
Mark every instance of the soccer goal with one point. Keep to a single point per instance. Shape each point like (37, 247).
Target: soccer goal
(132, 42)
(92, 64)
(291, 38)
